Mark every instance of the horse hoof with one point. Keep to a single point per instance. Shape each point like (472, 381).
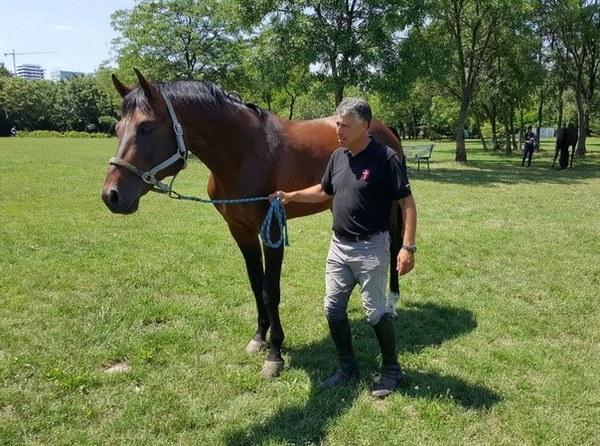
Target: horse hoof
(255, 346)
(271, 369)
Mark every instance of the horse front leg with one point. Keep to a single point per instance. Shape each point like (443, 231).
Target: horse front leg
(254, 266)
(271, 294)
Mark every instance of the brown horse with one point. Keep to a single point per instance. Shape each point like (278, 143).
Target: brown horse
(249, 152)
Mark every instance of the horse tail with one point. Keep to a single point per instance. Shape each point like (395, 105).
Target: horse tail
(396, 223)
(399, 150)
(396, 235)
(394, 130)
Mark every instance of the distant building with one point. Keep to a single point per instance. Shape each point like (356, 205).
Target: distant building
(60, 75)
(30, 71)
(547, 132)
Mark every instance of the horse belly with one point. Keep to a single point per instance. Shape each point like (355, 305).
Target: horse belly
(294, 210)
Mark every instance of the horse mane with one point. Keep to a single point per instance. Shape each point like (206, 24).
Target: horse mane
(203, 93)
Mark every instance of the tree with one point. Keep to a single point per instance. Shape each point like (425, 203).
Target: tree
(79, 104)
(27, 103)
(5, 125)
(277, 66)
(343, 38)
(414, 111)
(4, 72)
(171, 39)
(467, 27)
(409, 73)
(573, 27)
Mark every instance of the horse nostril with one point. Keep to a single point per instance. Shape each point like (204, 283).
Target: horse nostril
(113, 197)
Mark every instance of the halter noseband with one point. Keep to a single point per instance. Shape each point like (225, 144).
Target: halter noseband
(149, 176)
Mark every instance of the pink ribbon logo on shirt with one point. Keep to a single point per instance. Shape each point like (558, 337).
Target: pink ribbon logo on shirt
(365, 174)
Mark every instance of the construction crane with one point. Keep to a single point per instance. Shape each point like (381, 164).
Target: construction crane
(13, 54)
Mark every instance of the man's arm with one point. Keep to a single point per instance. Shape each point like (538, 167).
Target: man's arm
(406, 258)
(312, 194)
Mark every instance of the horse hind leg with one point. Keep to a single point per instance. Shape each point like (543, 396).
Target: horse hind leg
(564, 158)
(572, 155)
(395, 245)
(555, 156)
(394, 291)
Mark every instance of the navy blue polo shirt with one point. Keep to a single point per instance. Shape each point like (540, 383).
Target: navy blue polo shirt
(363, 188)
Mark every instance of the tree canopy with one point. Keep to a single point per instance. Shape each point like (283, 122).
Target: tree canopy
(448, 67)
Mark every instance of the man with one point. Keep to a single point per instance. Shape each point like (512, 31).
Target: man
(364, 178)
(529, 140)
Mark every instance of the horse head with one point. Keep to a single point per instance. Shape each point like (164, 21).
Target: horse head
(151, 146)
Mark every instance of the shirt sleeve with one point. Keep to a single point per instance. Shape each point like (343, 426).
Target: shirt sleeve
(326, 181)
(398, 178)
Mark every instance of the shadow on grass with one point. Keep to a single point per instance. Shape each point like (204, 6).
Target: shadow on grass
(506, 169)
(418, 327)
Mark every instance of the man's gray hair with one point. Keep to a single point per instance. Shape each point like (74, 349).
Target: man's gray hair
(354, 106)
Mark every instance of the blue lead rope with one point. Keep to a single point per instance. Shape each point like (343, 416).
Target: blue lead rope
(276, 210)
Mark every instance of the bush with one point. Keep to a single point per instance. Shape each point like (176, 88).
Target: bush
(55, 134)
(39, 134)
(107, 124)
(75, 134)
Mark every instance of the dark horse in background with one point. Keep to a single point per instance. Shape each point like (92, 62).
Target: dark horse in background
(567, 136)
(249, 152)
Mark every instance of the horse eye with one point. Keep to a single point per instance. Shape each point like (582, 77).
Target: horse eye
(145, 129)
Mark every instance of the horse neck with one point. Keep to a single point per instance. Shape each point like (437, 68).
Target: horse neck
(220, 139)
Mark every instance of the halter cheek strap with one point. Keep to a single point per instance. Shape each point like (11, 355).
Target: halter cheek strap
(149, 177)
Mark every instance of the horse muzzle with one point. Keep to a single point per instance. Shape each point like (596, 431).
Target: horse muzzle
(118, 203)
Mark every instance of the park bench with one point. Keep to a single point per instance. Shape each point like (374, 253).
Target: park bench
(418, 153)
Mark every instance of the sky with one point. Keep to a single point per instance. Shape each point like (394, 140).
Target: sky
(75, 34)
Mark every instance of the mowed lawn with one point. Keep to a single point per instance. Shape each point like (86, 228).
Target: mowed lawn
(131, 329)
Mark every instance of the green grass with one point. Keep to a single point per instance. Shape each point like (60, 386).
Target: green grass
(498, 330)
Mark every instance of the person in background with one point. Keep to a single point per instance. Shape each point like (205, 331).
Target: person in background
(529, 140)
(364, 178)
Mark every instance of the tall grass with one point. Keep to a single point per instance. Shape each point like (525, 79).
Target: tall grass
(498, 323)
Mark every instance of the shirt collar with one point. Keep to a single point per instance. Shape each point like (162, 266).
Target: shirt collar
(370, 147)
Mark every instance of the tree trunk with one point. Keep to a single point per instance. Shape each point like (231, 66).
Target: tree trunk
(561, 106)
(513, 139)
(461, 151)
(581, 123)
(481, 138)
(508, 143)
(494, 133)
(518, 145)
(540, 116)
(292, 105)
(413, 124)
(339, 91)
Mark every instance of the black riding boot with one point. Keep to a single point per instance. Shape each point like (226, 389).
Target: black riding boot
(342, 338)
(391, 373)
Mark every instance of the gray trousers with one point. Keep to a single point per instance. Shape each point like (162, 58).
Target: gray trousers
(357, 262)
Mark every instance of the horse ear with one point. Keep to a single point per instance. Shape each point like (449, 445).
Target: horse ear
(149, 89)
(121, 88)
